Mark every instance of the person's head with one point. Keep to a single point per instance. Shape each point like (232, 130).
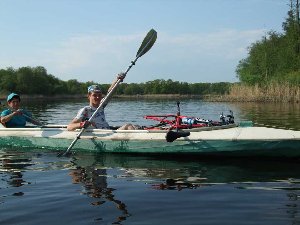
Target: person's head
(13, 100)
(94, 95)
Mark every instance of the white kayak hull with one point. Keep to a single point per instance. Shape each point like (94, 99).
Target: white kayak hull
(235, 141)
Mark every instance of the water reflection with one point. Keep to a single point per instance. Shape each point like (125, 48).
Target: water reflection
(102, 177)
(91, 169)
(279, 115)
(13, 167)
(186, 174)
(95, 184)
(192, 171)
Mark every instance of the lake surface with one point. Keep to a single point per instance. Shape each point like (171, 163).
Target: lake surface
(37, 187)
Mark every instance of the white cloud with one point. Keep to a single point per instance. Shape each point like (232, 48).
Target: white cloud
(88, 57)
(81, 51)
(230, 44)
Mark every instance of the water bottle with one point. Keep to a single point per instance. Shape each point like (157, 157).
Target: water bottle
(222, 118)
(188, 121)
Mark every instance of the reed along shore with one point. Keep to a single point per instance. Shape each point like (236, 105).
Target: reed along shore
(272, 92)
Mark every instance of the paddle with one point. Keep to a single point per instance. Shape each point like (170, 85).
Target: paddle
(34, 121)
(147, 43)
(171, 135)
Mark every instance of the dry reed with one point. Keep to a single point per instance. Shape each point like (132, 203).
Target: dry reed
(273, 92)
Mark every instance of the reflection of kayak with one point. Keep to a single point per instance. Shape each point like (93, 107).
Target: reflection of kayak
(193, 169)
(220, 140)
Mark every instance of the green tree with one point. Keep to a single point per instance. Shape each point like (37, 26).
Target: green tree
(8, 81)
(276, 57)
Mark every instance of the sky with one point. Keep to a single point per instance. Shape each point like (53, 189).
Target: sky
(94, 40)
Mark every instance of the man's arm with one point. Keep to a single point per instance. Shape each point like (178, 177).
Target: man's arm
(75, 124)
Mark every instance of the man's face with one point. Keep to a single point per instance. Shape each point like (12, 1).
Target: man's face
(95, 98)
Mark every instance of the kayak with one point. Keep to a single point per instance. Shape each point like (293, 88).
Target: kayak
(225, 140)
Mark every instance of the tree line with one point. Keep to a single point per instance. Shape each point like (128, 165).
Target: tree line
(36, 80)
(276, 57)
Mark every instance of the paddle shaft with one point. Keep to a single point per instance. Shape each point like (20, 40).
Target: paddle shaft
(36, 122)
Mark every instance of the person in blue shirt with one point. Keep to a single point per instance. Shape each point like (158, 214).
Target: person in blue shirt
(14, 116)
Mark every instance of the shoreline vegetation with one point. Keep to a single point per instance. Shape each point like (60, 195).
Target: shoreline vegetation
(27, 82)
(284, 93)
(238, 93)
(273, 92)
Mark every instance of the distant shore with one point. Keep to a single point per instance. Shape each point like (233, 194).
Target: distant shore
(233, 97)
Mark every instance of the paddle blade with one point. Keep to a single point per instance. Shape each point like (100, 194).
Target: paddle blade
(172, 136)
(147, 43)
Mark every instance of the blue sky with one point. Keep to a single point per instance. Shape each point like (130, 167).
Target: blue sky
(93, 40)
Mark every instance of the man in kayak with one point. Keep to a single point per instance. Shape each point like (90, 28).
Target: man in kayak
(85, 113)
(14, 116)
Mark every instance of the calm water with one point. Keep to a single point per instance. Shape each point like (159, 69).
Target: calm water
(37, 187)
